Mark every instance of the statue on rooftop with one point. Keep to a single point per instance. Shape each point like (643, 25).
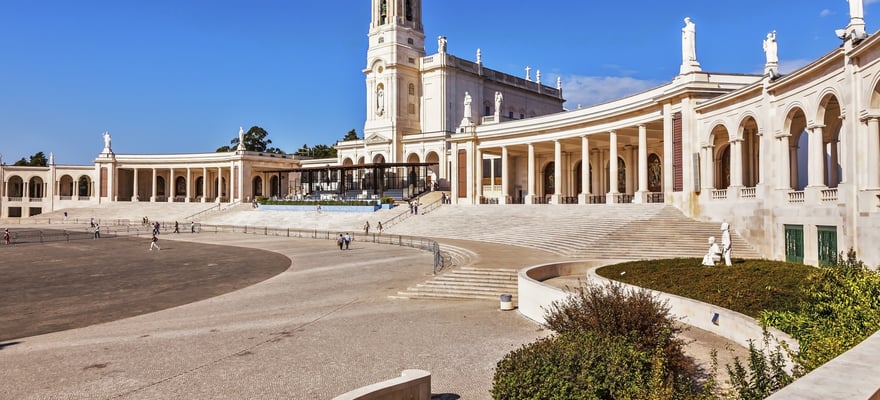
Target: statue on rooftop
(467, 106)
(441, 44)
(499, 98)
(688, 41)
(107, 141)
(770, 48)
(240, 138)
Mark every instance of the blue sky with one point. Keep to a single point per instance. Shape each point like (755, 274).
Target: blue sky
(180, 76)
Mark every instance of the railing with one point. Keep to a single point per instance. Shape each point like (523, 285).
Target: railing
(539, 200)
(488, 200)
(719, 194)
(796, 196)
(65, 197)
(568, 200)
(207, 210)
(655, 197)
(35, 200)
(828, 195)
(16, 199)
(623, 198)
(748, 193)
(597, 199)
(84, 198)
(423, 209)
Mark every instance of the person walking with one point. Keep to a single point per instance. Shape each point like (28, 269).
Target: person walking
(340, 241)
(97, 231)
(7, 239)
(347, 240)
(154, 242)
(379, 227)
(176, 227)
(366, 227)
(192, 227)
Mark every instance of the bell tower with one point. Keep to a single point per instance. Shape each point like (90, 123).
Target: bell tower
(393, 79)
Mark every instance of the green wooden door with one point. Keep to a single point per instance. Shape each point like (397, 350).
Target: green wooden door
(827, 244)
(794, 243)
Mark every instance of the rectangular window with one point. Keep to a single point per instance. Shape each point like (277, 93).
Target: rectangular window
(794, 243)
(827, 236)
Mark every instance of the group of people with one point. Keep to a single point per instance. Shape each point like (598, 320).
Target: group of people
(367, 227)
(413, 206)
(716, 253)
(344, 241)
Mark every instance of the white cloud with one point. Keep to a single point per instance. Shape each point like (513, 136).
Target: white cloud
(789, 66)
(826, 12)
(590, 90)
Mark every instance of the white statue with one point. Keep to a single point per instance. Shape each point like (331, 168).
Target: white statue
(499, 98)
(240, 138)
(107, 141)
(725, 243)
(856, 10)
(688, 41)
(528, 73)
(467, 106)
(714, 254)
(441, 44)
(479, 56)
(380, 101)
(538, 76)
(770, 48)
(559, 82)
(51, 158)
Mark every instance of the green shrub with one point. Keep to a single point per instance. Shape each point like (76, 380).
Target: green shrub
(387, 200)
(841, 308)
(313, 203)
(610, 343)
(765, 373)
(578, 365)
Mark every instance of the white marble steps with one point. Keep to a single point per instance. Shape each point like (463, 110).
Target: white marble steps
(466, 283)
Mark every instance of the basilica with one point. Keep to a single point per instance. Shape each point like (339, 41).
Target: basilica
(791, 162)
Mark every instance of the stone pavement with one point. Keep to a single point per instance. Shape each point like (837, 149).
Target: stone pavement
(321, 328)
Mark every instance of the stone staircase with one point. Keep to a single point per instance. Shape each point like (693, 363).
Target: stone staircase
(466, 283)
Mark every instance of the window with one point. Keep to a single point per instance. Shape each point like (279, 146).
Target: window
(487, 111)
(411, 108)
(383, 12)
(409, 13)
(510, 115)
(410, 41)
(411, 60)
(522, 116)
(412, 89)
(381, 39)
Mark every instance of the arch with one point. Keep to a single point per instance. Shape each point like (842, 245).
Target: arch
(750, 164)
(257, 186)
(578, 175)
(160, 186)
(549, 183)
(274, 186)
(655, 173)
(379, 158)
(347, 162)
(621, 175)
(65, 186)
(720, 151)
(200, 185)
(35, 188)
(180, 186)
(15, 186)
(434, 170)
(831, 112)
(360, 160)
(412, 158)
(222, 186)
(795, 128)
(84, 186)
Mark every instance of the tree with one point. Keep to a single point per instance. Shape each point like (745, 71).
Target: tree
(318, 151)
(36, 160)
(254, 140)
(351, 135)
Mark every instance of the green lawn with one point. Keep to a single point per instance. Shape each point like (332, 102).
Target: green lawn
(748, 287)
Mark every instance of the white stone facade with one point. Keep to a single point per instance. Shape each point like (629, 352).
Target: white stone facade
(791, 162)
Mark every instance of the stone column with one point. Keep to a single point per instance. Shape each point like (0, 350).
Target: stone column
(612, 168)
(453, 174)
(204, 184)
(530, 198)
(873, 154)
(832, 168)
(736, 164)
(170, 188)
(668, 151)
(505, 177)
(135, 196)
(220, 184)
(478, 174)
(630, 175)
(709, 178)
(558, 184)
(643, 163)
(585, 170)
(153, 187)
(816, 157)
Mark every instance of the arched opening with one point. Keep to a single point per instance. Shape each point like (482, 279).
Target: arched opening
(222, 187)
(655, 173)
(751, 153)
(35, 188)
(578, 174)
(180, 186)
(200, 186)
(378, 159)
(257, 186)
(65, 186)
(550, 178)
(832, 171)
(274, 186)
(15, 187)
(84, 187)
(434, 170)
(160, 186)
(720, 152)
(797, 149)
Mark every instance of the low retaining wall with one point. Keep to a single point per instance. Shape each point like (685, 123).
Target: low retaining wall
(313, 208)
(413, 384)
(535, 296)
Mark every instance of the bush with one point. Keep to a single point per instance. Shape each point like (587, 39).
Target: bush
(841, 309)
(610, 343)
(765, 374)
(387, 200)
(581, 366)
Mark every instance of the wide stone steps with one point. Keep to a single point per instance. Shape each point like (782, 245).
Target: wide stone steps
(466, 283)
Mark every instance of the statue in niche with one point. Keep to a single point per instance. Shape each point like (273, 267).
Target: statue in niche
(714, 254)
(380, 101)
(107, 141)
(499, 98)
(441, 44)
(770, 48)
(467, 106)
(688, 41)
